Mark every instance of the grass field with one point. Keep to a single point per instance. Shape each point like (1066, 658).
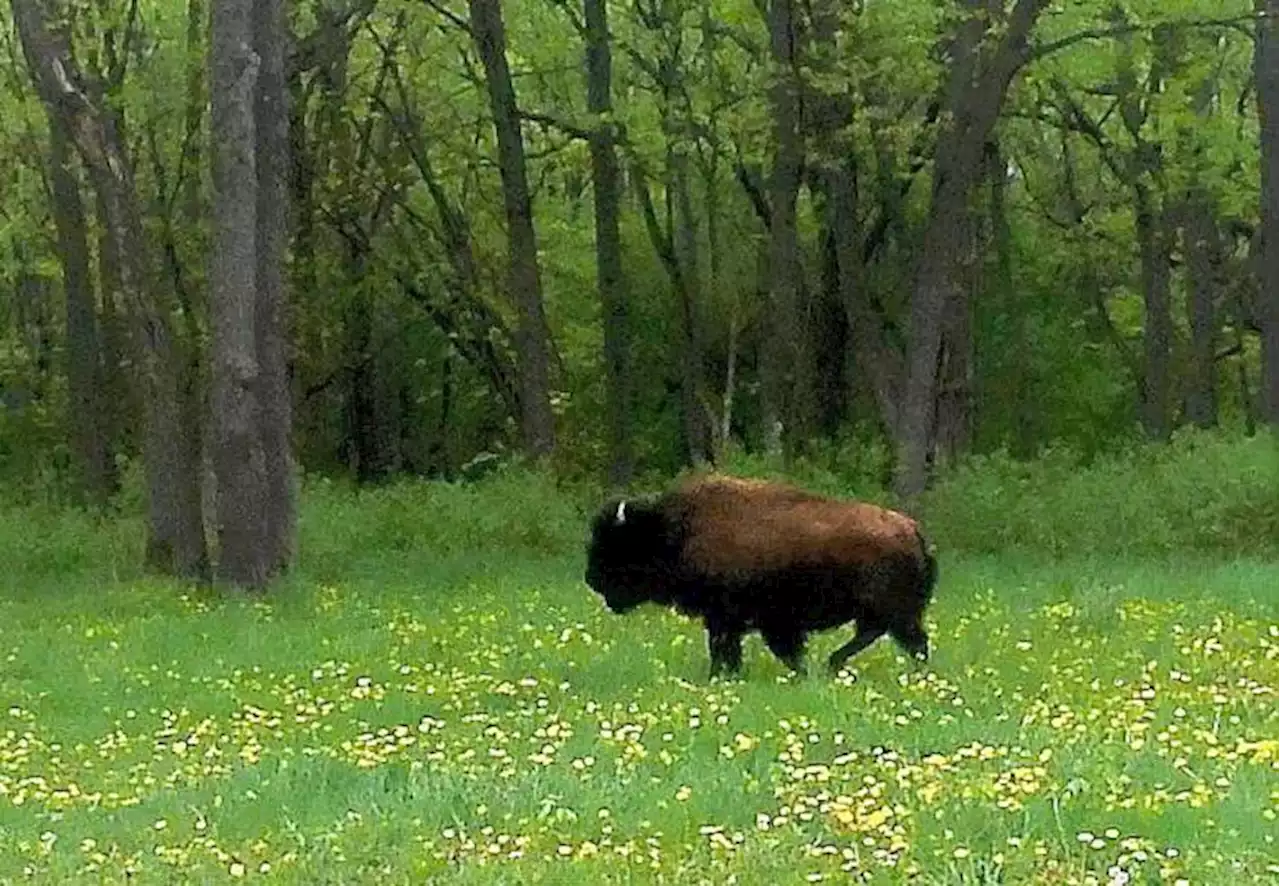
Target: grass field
(443, 700)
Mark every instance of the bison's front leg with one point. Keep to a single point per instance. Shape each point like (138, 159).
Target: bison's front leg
(725, 645)
(788, 646)
(868, 632)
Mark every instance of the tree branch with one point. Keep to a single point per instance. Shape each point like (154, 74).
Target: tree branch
(551, 121)
(457, 20)
(1041, 50)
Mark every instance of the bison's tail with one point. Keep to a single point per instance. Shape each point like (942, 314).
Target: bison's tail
(929, 567)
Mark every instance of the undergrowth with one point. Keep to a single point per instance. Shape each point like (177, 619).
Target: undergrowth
(1202, 496)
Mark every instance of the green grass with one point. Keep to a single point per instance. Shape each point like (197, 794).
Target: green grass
(485, 721)
(436, 697)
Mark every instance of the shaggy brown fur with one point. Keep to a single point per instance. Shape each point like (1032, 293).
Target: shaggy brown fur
(748, 555)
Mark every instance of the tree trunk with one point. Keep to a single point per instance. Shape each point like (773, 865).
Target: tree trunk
(533, 337)
(86, 400)
(878, 363)
(1202, 247)
(827, 117)
(711, 201)
(695, 431)
(610, 283)
(238, 458)
(373, 422)
(1153, 250)
(176, 544)
(271, 154)
(830, 341)
(954, 413)
(975, 93)
(788, 384)
(1268, 262)
(124, 414)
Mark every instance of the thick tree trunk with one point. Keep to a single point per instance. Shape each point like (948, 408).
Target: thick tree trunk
(977, 84)
(271, 152)
(176, 543)
(1268, 262)
(533, 337)
(238, 458)
(788, 384)
(86, 400)
(610, 283)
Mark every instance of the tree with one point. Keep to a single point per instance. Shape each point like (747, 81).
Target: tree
(524, 284)
(788, 382)
(176, 542)
(984, 62)
(87, 401)
(1268, 261)
(251, 396)
(610, 283)
(238, 458)
(271, 328)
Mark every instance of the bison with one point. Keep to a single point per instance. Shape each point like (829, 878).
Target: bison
(749, 555)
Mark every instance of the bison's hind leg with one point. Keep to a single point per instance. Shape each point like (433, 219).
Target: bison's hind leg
(912, 638)
(724, 642)
(788, 646)
(868, 632)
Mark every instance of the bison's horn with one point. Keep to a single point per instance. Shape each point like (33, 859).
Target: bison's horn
(621, 516)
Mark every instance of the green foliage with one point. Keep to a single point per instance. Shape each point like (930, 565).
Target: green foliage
(514, 511)
(1205, 494)
(1057, 355)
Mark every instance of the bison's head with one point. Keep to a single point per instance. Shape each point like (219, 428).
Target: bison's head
(631, 554)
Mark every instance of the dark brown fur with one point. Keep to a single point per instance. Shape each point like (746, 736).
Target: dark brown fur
(747, 555)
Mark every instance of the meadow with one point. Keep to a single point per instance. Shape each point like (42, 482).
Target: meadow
(434, 696)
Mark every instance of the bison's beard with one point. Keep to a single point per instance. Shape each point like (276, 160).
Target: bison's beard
(618, 601)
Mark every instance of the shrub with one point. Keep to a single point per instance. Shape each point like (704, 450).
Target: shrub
(1204, 493)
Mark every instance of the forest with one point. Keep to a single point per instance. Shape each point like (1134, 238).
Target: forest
(327, 326)
(371, 240)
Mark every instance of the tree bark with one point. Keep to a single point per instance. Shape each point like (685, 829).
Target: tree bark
(610, 283)
(788, 383)
(880, 364)
(271, 155)
(1153, 249)
(695, 430)
(954, 414)
(126, 414)
(94, 468)
(711, 204)
(1202, 246)
(176, 541)
(1268, 262)
(533, 337)
(975, 93)
(238, 458)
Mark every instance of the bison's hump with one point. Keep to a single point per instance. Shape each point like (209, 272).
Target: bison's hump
(748, 526)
